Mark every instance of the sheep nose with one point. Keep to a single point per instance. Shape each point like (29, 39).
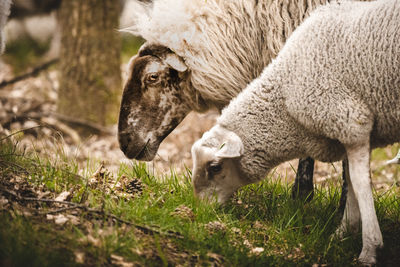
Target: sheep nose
(124, 140)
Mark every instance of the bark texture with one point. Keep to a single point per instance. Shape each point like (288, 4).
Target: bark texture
(90, 76)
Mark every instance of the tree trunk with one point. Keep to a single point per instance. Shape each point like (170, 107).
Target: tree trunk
(90, 76)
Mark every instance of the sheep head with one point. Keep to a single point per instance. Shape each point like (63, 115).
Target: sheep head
(216, 175)
(152, 102)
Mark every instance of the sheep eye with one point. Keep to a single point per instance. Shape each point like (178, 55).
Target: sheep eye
(215, 168)
(152, 77)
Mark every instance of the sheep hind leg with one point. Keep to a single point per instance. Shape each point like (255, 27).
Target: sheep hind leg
(349, 209)
(359, 157)
(303, 187)
(345, 178)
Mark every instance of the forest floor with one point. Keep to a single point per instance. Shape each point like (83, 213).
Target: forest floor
(72, 200)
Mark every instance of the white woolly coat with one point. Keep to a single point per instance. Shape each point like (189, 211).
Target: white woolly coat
(225, 44)
(336, 80)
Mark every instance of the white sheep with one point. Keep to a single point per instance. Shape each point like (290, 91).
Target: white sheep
(332, 92)
(4, 13)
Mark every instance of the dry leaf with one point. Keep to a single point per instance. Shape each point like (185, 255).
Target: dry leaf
(257, 250)
(258, 225)
(63, 196)
(216, 226)
(60, 219)
(247, 243)
(119, 261)
(94, 241)
(218, 259)
(3, 203)
(43, 194)
(236, 230)
(79, 257)
(73, 219)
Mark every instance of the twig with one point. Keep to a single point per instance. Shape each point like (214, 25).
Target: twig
(63, 128)
(35, 71)
(58, 210)
(65, 118)
(20, 131)
(15, 165)
(81, 122)
(73, 205)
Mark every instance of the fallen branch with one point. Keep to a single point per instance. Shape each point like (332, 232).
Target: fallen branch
(73, 205)
(63, 128)
(88, 124)
(84, 123)
(35, 71)
(19, 131)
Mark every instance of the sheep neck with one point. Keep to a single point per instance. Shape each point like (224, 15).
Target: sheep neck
(269, 135)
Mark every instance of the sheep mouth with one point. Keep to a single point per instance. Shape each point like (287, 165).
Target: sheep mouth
(144, 152)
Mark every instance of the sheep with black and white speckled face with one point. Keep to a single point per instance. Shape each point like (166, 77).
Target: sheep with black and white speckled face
(332, 92)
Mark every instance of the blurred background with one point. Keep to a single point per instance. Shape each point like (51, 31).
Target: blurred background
(61, 79)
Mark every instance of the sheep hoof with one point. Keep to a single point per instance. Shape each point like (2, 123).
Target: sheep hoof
(368, 255)
(367, 260)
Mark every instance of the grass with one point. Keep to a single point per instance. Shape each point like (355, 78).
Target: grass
(188, 232)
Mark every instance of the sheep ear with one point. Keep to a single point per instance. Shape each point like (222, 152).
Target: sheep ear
(175, 62)
(232, 147)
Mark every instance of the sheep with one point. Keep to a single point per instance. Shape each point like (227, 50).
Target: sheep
(199, 55)
(4, 13)
(330, 94)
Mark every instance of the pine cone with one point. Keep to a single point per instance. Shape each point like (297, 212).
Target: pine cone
(134, 187)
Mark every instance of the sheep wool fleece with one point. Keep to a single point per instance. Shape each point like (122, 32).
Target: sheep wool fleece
(336, 81)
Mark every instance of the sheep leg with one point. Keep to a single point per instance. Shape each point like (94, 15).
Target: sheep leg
(351, 212)
(303, 187)
(345, 177)
(359, 157)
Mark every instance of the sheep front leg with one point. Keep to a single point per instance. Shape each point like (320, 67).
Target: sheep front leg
(303, 184)
(360, 180)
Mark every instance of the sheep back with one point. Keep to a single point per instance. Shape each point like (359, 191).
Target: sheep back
(224, 43)
(344, 71)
